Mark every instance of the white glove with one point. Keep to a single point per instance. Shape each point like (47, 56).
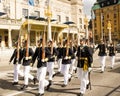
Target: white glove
(89, 69)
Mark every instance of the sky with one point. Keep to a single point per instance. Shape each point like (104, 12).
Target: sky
(87, 7)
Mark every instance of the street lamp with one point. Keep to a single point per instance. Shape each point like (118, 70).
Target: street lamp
(86, 26)
(48, 14)
(109, 29)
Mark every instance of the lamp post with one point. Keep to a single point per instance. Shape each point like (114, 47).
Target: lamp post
(109, 29)
(86, 26)
(48, 14)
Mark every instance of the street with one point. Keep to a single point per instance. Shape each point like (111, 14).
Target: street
(103, 84)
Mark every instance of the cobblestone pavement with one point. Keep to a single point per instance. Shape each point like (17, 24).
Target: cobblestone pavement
(103, 84)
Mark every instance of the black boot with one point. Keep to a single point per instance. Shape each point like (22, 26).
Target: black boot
(15, 83)
(39, 94)
(48, 86)
(34, 80)
(24, 87)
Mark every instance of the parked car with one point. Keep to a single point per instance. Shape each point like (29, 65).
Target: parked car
(118, 48)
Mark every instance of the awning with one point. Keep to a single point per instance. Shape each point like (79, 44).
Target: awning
(40, 25)
(2, 13)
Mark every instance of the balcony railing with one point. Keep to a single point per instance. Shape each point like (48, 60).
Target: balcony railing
(10, 21)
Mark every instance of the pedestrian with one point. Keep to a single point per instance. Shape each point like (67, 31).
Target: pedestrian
(66, 61)
(83, 65)
(27, 59)
(102, 54)
(41, 53)
(112, 51)
(16, 58)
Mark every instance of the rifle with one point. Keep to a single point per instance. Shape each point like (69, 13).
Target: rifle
(18, 46)
(67, 47)
(43, 46)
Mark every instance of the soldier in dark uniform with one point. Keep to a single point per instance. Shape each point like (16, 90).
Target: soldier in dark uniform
(83, 54)
(102, 54)
(59, 57)
(16, 57)
(112, 51)
(51, 61)
(26, 63)
(73, 58)
(67, 53)
(41, 67)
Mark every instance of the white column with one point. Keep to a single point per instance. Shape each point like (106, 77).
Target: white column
(9, 38)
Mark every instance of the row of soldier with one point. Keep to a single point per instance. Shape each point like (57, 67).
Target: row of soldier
(66, 56)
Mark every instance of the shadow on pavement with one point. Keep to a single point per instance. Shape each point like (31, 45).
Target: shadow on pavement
(5, 84)
(116, 70)
(114, 90)
(66, 90)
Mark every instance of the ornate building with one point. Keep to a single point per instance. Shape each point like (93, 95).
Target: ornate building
(106, 11)
(17, 10)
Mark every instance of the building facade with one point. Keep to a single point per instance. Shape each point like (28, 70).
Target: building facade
(106, 11)
(17, 10)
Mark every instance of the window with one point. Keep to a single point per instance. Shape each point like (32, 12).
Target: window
(59, 18)
(37, 13)
(67, 18)
(115, 15)
(80, 20)
(80, 10)
(25, 12)
(107, 15)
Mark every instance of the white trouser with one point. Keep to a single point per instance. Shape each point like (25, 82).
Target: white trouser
(27, 75)
(112, 61)
(41, 74)
(102, 61)
(83, 76)
(72, 67)
(59, 64)
(65, 71)
(17, 72)
(50, 69)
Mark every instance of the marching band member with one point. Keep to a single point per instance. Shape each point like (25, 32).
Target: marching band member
(66, 61)
(16, 57)
(26, 63)
(83, 65)
(102, 54)
(41, 54)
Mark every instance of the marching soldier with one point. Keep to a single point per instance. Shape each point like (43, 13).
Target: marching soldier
(102, 54)
(83, 54)
(73, 59)
(26, 63)
(16, 57)
(51, 61)
(59, 57)
(112, 51)
(66, 61)
(41, 53)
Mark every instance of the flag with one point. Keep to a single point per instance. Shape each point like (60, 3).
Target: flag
(31, 2)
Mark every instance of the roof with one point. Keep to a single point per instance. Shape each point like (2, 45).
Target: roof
(96, 6)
